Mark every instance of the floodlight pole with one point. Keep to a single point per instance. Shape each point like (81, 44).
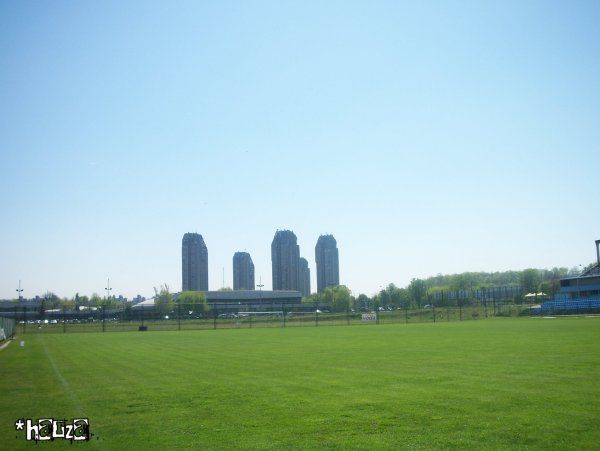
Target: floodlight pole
(260, 285)
(108, 288)
(19, 291)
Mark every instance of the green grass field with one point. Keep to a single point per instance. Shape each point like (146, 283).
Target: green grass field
(499, 383)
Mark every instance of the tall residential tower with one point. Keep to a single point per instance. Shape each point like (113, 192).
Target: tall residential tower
(285, 261)
(304, 277)
(326, 256)
(194, 263)
(243, 271)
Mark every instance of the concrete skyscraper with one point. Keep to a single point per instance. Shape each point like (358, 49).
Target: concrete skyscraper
(243, 271)
(326, 256)
(194, 263)
(285, 261)
(304, 277)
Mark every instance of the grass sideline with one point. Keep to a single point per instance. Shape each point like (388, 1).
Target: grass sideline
(500, 383)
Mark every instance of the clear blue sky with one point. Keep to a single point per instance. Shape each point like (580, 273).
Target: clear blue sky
(428, 137)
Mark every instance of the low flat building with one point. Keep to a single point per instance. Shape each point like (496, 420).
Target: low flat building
(253, 299)
(242, 300)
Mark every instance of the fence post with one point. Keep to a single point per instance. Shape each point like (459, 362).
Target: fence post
(377, 315)
(317, 316)
(64, 319)
(485, 305)
(283, 313)
(178, 315)
(103, 318)
(215, 316)
(24, 320)
(348, 316)
(460, 309)
(405, 312)
(494, 302)
(433, 308)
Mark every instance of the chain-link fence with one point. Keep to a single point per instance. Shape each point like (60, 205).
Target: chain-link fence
(7, 328)
(215, 316)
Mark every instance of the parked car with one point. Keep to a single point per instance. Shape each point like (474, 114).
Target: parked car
(228, 315)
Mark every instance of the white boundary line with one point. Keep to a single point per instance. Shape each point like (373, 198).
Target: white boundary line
(5, 344)
(69, 392)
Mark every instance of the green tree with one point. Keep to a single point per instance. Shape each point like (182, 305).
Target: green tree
(530, 279)
(67, 304)
(546, 288)
(341, 298)
(417, 289)
(574, 271)
(50, 301)
(326, 297)
(384, 298)
(311, 299)
(362, 302)
(554, 279)
(193, 301)
(460, 282)
(397, 296)
(82, 300)
(163, 300)
(376, 301)
(95, 300)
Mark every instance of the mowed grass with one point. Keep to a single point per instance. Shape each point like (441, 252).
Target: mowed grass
(497, 383)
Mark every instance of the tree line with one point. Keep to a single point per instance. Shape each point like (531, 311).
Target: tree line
(420, 292)
(417, 293)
